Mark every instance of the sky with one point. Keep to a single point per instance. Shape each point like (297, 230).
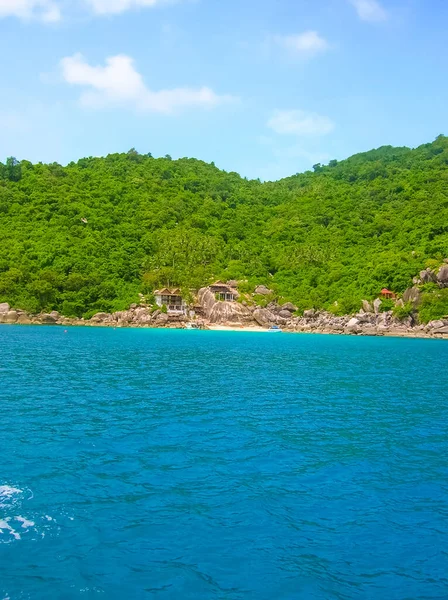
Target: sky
(266, 88)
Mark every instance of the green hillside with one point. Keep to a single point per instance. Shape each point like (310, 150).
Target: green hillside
(339, 233)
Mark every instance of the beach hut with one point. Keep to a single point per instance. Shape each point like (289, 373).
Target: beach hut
(223, 291)
(172, 299)
(385, 293)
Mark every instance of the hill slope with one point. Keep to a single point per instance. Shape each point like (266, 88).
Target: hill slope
(91, 235)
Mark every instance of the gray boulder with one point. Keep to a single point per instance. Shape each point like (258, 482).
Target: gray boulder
(264, 317)
(289, 306)
(352, 323)
(441, 330)
(284, 314)
(309, 314)
(230, 312)
(206, 300)
(436, 324)
(11, 317)
(442, 276)
(162, 319)
(24, 319)
(366, 306)
(428, 276)
(222, 312)
(412, 295)
(376, 305)
(263, 290)
(4, 308)
(47, 319)
(100, 317)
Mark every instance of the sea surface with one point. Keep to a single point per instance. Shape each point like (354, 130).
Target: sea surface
(219, 465)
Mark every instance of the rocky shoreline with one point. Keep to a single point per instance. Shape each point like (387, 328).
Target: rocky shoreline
(238, 316)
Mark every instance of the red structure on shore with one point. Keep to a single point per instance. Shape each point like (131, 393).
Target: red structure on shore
(385, 293)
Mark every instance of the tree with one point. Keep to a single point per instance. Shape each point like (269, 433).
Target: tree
(13, 169)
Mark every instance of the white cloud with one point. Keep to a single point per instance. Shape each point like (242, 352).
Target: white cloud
(119, 84)
(106, 7)
(44, 10)
(300, 122)
(306, 44)
(369, 10)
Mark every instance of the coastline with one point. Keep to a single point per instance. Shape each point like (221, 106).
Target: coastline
(371, 324)
(409, 334)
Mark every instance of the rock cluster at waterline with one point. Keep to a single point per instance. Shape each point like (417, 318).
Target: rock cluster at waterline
(363, 323)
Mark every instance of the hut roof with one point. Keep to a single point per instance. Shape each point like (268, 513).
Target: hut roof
(168, 292)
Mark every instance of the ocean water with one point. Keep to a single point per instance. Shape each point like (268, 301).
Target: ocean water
(202, 465)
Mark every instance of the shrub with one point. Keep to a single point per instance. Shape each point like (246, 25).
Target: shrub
(402, 312)
(434, 306)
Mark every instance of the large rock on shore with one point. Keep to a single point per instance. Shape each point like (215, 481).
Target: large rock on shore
(353, 326)
(100, 317)
(207, 300)
(222, 312)
(264, 317)
(285, 314)
(230, 312)
(24, 319)
(11, 317)
(4, 308)
(47, 319)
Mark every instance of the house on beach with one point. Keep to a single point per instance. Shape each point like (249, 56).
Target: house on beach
(172, 299)
(223, 291)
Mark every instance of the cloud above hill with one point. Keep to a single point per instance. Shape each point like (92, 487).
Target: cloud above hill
(118, 83)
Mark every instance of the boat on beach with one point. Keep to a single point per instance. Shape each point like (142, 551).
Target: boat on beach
(275, 329)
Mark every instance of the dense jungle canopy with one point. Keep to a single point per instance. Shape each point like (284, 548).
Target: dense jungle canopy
(90, 236)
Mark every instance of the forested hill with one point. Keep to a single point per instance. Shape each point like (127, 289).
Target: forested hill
(92, 235)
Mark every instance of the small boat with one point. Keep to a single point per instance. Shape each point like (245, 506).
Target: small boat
(191, 326)
(274, 329)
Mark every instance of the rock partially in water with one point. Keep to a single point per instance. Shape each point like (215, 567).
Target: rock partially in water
(47, 319)
(11, 317)
(100, 317)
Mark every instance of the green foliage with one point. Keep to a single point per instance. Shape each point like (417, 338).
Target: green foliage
(164, 309)
(346, 305)
(387, 304)
(92, 235)
(402, 312)
(434, 306)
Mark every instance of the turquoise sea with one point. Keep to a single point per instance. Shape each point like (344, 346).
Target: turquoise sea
(214, 465)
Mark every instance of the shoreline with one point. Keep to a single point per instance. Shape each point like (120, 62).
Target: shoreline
(257, 320)
(239, 329)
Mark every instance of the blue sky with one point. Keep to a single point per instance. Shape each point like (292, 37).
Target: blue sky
(266, 88)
